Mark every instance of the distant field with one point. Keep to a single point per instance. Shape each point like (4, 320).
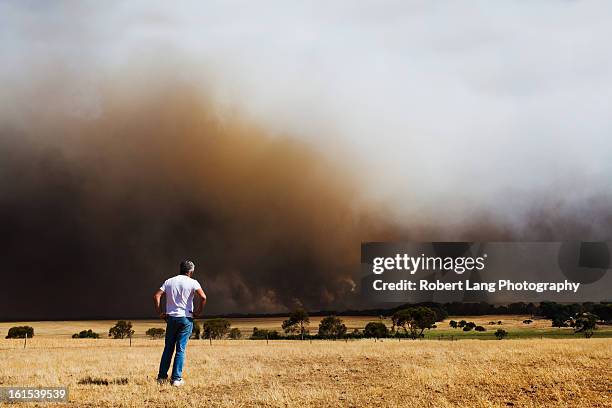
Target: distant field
(511, 323)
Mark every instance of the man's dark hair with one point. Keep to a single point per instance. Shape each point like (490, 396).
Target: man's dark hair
(186, 267)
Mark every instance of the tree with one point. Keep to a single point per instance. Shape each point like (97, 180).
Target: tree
(121, 330)
(586, 323)
(155, 332)
(215, 328)
(331, 327)
(376, 330)
(500, 334)
(453, 324)
(86, 334)
(235, 334)
(297, 322)
(20, 332)
(415, 320)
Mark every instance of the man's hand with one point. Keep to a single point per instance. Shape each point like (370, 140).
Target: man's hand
(163, 316)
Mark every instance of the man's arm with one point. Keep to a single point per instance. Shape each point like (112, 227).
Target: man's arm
(200, 305)
(157, 302)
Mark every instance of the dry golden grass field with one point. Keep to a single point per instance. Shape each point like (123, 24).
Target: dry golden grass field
(569, 372)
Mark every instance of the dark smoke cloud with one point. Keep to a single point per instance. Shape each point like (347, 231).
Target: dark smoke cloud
(97, 211)
(100, 202)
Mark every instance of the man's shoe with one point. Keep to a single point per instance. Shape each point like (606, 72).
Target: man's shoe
(178, 383)
(161, 381)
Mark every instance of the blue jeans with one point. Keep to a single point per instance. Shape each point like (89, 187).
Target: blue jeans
(178, 330)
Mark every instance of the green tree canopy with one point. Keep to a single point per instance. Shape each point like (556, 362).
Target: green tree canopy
(215, 328)
(121, 330)
(297, 322)
(414, 320)
(331, 327)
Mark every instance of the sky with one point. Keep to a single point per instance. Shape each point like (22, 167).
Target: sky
(437, 120)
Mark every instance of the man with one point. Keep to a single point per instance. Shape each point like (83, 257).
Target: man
(180, 291)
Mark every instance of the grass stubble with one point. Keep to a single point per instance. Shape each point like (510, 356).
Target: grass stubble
(243, 373)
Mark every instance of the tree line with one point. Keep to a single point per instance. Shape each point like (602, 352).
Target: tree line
(408, 321)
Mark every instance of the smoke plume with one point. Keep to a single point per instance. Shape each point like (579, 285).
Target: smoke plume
(98, 211)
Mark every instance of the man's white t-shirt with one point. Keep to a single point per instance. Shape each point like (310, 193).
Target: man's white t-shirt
(179, 292)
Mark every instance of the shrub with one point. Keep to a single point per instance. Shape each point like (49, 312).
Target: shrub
(121, 330)
(527, 321)
(461, 323)
(261, 334)
(355, 334)
(235, 334)
(560, 322)
(331, 327)
(499, 322)
(215, 328)
(375, 329)
(86, 334)
(500, 334)
(467, 328)
(480, 329)
(155, 332)
(453, 324)
(20, 332)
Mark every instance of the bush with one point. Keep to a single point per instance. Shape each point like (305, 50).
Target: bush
(527, 321)
(215, 328)
(155, 332)
(235, 334)
(499, 322)
(467, 328)
(20, 332)
(480, 329)
(453, 324)
(461, 323)
(355, 334)
(86, 334)
(500, 334)
(121, 330)
(264, 334)
(375, 329)
(331, 327)
(560, 322)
